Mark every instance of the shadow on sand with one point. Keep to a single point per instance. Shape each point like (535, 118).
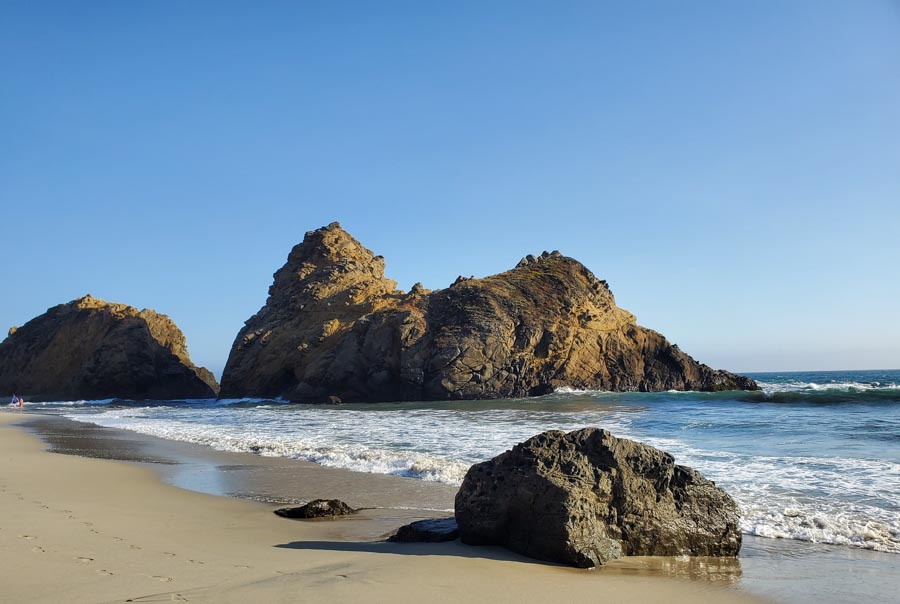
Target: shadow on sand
(450, 548)
(723, 571)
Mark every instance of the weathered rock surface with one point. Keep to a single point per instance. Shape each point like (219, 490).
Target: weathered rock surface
(334, 326)
(432, 530)
(318, 508)
(586, 497)
(91, 349)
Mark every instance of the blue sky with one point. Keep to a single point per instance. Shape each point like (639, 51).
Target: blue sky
(731, 168)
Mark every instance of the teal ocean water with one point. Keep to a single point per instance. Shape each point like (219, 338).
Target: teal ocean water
(813, 456)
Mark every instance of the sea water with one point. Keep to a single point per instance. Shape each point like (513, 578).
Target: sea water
(812, 456)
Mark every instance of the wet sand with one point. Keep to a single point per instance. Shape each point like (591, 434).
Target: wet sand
(94, 529)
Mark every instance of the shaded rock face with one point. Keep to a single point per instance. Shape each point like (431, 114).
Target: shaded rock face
(587, 497)
(432, 530)
(333, 325)
(318, 508)
(91, 349)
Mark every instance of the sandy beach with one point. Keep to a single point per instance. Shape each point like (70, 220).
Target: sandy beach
(78, 529)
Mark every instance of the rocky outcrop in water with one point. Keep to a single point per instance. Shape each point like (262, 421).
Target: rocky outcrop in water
(587, 497)
(91, 349)
(335, 326)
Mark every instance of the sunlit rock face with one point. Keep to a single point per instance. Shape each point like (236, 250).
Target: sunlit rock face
(335, 328)
(89, 349)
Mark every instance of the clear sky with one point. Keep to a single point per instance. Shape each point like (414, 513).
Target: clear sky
(731, 168)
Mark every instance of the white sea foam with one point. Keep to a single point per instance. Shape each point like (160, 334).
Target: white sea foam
(419, 445)
(570, 390)
(850, 386)
(786, 498)
(80, 403)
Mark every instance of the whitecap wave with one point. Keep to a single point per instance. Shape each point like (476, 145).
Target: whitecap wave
(570, 390)
(813, 387)
(79, 403)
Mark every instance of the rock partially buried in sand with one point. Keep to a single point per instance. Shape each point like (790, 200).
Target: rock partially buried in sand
(433, 530)
(586, 497)
(319, 508)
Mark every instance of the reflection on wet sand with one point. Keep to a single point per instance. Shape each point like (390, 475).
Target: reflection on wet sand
(723, 571)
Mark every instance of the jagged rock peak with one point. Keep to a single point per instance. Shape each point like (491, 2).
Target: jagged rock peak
(419, 290)
(92, 349)
(530, 259)
(328, 268)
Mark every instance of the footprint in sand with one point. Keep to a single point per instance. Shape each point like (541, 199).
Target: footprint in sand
(172, 597)
(162, 579)
(104, 572)
(27, 537)
(83, 560)
(196, 562)
(38, 549)
(170, 554)
(118, 539)
(134, 546)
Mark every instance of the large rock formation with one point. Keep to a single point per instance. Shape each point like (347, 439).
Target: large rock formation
(334, 326)
(91, 349)
(587, 497)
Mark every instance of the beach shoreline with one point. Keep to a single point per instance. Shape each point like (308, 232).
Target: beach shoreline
(97, 530)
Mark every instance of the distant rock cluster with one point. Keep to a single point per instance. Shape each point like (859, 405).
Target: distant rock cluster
(529, 259)
(335, 329)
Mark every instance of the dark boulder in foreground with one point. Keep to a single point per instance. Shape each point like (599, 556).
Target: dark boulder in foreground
(91, 349)
(318, 508)
(586, 497)
(334, 327)
(432, 530)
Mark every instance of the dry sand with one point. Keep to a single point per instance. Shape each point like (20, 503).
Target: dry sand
(74, 529)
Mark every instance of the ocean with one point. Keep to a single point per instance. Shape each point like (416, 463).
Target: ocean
(813, 456)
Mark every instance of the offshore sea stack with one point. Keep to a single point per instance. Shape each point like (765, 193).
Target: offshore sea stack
(89, 349)
(587, 497)
(334, 328)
